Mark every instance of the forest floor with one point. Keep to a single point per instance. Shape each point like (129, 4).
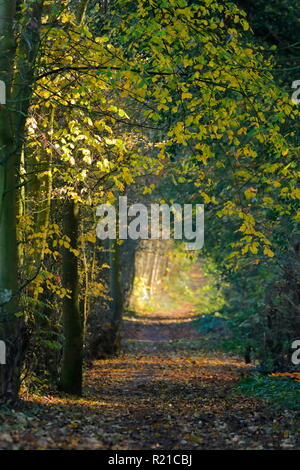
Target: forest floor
(161, 393)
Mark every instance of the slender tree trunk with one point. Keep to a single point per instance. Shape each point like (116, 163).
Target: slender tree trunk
(21, 210)
(41, 189)
(86, 282)
(116, 293)
(45, 189)
(71, 377)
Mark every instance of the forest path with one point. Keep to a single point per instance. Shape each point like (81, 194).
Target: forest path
(161, 393)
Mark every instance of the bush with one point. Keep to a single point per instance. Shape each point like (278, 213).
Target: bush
(279, 391)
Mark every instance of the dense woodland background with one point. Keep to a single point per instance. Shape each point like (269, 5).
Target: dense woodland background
(173, 101)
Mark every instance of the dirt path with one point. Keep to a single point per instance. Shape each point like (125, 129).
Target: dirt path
(160, 394)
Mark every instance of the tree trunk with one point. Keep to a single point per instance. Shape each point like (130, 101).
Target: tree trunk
(12, 122)
(115, 294)
(71, 376)
(8, 243)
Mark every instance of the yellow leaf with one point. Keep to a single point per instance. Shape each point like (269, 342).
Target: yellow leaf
(268, 252)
